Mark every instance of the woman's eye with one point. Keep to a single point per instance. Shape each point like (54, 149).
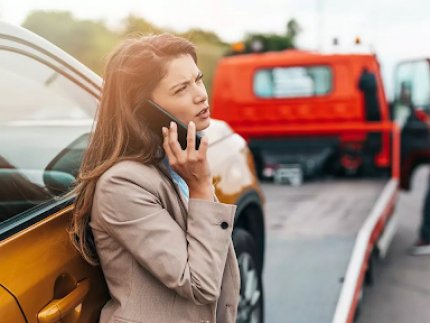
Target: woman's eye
(180, 89)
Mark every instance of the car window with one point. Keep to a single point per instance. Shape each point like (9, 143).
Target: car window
(413, 83)
(44, 116)
(289, 82)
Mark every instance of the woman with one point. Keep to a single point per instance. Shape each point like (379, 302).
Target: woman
(160, 235)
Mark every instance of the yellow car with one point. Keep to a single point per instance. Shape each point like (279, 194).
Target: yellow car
(48, 101)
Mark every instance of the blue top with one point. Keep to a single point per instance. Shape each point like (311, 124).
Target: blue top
(183, 187)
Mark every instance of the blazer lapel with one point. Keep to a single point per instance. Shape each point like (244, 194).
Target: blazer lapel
(182, 198)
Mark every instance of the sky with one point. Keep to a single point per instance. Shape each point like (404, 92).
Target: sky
(394, 29)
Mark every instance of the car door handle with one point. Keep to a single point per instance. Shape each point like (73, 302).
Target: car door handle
(59, 308)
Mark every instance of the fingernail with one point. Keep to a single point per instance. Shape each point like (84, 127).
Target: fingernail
(190, 123)
(171, 124)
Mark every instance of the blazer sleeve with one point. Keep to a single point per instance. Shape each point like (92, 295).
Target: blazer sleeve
(192, 262)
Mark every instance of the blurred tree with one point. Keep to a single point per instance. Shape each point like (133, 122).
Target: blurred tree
(137, 25)
(293, 29)
(89, 41)
(198, 35)
(261, 42)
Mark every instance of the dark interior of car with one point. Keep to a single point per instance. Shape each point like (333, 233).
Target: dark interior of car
(19, 194)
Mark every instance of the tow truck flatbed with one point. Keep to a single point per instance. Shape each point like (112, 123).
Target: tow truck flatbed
(328, 230)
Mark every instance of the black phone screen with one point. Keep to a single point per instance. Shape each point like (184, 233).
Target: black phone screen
(157, 117)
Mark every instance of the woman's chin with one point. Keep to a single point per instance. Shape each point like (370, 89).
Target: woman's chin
(202, 125)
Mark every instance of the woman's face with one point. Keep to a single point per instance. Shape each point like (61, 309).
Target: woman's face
(182, 92)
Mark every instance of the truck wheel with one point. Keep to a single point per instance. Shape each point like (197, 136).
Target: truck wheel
(251, 305)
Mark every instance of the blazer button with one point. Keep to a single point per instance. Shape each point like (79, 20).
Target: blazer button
(224, 225)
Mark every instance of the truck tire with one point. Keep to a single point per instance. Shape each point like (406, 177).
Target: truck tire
(251, 305)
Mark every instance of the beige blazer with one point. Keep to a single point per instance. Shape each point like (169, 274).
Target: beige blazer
(164, 260)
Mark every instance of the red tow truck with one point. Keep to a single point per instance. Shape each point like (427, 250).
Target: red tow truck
(322, 123)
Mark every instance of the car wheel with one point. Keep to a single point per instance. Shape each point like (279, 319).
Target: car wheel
(251, 305)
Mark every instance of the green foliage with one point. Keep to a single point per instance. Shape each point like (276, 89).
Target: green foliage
(260, 42)
(197, 35)
(267, 42)
(293, 29)
(137, 25)
(88, 41)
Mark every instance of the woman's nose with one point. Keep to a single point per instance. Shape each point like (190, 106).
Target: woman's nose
(200, 95)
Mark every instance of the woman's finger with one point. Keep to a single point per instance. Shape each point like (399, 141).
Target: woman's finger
(166, 146)
(203, 148)
(175, 147)
(191, 137)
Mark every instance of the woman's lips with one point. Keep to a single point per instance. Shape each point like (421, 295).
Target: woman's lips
(204, 114)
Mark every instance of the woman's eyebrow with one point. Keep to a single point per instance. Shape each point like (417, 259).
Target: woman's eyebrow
(199, 75)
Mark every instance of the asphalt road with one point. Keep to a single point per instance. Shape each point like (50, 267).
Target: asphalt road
(296, 291)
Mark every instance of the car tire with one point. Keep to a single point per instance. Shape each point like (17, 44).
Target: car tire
(251, 304)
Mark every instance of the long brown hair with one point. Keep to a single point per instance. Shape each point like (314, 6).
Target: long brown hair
(131, 73)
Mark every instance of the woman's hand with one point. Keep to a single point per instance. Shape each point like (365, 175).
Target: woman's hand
(190, 164)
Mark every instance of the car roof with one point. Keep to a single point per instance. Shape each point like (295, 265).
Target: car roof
(26, 37)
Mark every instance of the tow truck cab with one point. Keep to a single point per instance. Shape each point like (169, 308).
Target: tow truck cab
(308, 114)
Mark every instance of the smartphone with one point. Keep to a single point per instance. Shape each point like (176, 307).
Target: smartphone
(157, 117)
